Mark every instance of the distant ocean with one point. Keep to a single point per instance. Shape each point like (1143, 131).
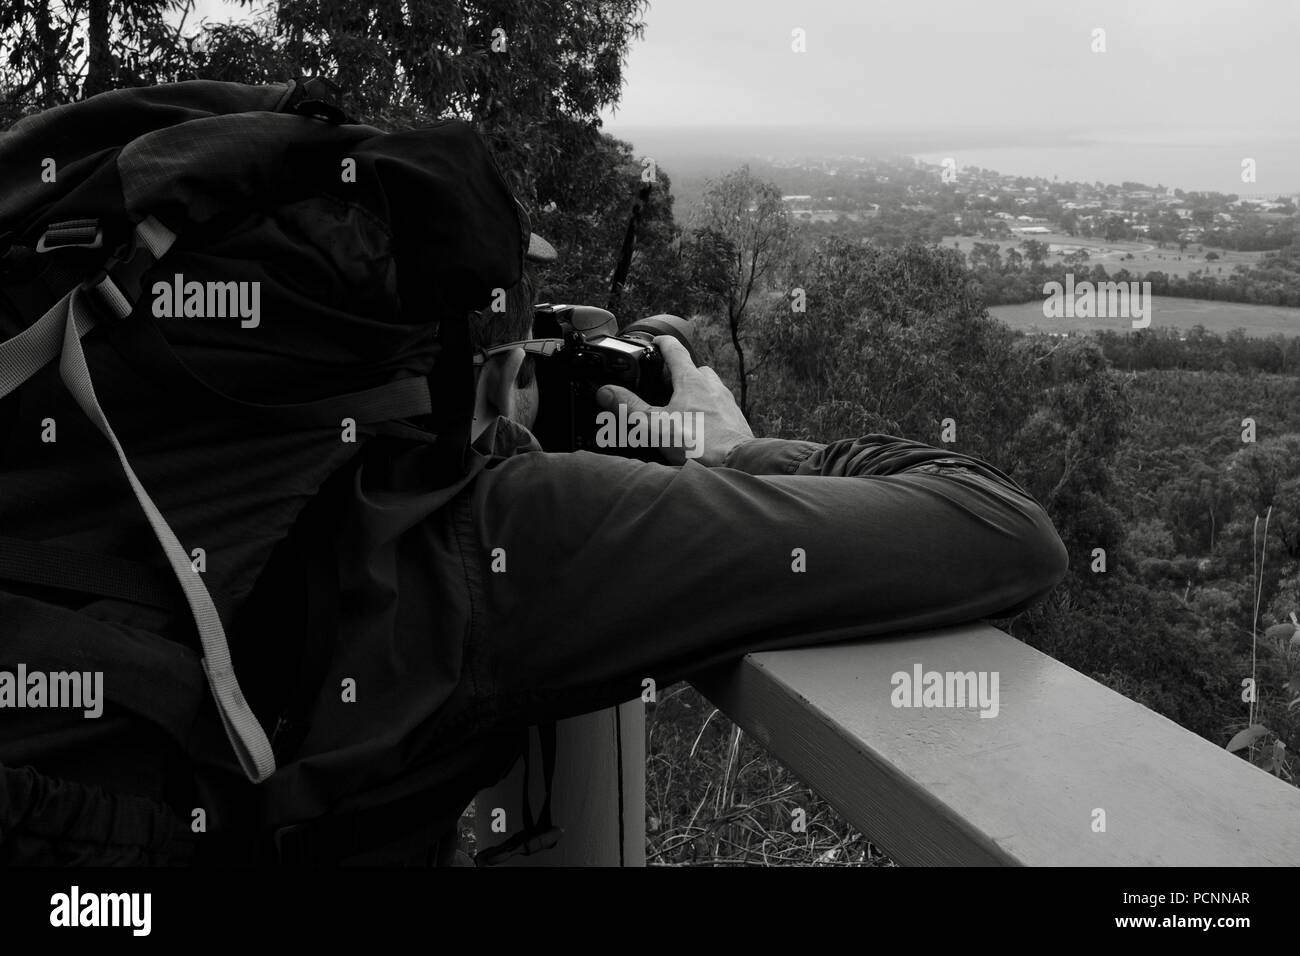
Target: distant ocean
(1202, 160)
(1201, 164)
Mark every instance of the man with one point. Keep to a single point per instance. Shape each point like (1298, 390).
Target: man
(758, 543)
(552, 584)
(541, 585)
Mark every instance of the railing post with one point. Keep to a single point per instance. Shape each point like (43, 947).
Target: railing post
(586, 798)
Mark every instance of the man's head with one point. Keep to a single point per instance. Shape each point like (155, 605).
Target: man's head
(505, 382)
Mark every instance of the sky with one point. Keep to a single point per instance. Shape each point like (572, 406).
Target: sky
(1197, 66)
(971, 73)
(219, 11)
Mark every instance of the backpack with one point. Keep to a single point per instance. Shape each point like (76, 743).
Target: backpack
(219, 303)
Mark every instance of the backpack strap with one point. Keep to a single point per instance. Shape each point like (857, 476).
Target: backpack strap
(539, 833)
(117, 287)
(142, 344)
(20, 358)
(103, 575)
(546, 737)
(34, 562)
(317, 552)
(114, 291)
(343, 839)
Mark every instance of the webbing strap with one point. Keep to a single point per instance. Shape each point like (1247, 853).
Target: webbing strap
(546, 737)
(143, 344)
(104, 575)
(28, 352)
(34, 347)
(242, 727)
(154, 235)
(539, 833)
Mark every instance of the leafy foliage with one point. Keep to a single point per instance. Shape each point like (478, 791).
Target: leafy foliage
(58, 52)
(742, 233)
(532, 76)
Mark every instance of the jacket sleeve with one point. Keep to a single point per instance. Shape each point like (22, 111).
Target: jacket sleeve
(617, 570)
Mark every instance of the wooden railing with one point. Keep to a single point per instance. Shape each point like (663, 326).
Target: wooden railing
(1067, 772)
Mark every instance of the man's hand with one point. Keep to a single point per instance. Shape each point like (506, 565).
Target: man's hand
(722, 427)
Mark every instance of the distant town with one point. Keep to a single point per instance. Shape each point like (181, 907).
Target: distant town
(1016, 232)
(992, 205)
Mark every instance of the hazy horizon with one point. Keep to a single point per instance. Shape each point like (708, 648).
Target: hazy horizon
(1183, 91)
(1192, 166)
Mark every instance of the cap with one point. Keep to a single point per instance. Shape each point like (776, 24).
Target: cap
(539, 250)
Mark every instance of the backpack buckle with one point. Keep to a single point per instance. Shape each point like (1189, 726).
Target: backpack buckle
(292, 844)
(116, 288)
(73, 234)
(317, 97)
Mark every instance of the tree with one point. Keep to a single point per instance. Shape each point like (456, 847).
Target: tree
(57, 53)
(1258, 470)
(1035, 251)
(755, 224)
(36, 39)
(99, 62)
(711, 255)
(986, 255)
(534, 77)
(1071, 439)
(1213, 495)
(584, 211)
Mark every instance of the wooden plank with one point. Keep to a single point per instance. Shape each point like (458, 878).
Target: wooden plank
(586, 793)
(945, 786)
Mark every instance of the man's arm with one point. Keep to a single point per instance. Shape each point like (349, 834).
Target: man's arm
(621, 570)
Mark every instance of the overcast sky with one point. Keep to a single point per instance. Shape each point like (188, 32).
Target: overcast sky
(1188, 66)
(1192, 64)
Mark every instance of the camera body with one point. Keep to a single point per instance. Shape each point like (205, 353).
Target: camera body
(595, 352)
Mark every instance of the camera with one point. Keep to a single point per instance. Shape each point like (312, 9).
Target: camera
(591, 351)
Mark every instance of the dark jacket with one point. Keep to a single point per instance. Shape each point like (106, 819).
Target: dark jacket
(552, 584)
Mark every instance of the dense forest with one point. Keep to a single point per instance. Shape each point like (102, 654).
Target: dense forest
(1170, 465)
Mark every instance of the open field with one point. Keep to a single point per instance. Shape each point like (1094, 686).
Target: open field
(1220, 317)
(1110, 255)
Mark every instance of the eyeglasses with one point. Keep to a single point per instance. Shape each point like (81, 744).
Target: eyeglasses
(534, 347)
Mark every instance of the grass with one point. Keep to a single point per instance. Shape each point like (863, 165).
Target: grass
(715, 798)
(1179, 313)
